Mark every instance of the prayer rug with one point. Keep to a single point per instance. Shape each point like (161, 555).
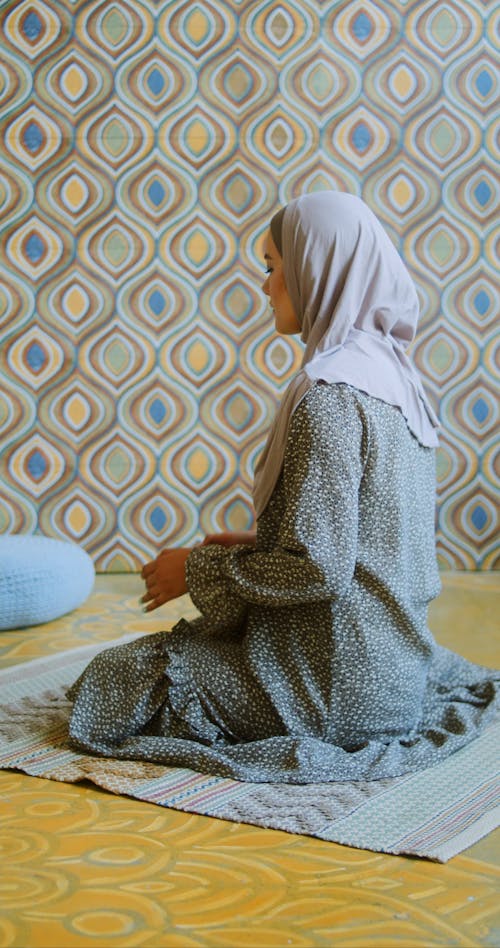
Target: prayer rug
(435, 813)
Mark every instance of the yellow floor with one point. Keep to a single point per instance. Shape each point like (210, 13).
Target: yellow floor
(81, 867)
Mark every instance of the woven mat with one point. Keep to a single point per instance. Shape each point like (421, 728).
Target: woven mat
(435, 813)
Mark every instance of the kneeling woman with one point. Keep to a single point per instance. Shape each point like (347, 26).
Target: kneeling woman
(312, 659)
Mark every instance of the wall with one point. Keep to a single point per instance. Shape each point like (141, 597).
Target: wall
(143, 147)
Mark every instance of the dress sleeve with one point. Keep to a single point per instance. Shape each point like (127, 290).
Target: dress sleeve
(314, 556)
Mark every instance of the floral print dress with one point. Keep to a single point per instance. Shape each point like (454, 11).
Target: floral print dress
(312, 660)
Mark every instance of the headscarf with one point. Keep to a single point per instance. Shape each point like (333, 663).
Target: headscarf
(357, 307)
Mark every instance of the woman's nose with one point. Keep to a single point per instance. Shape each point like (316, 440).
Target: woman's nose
(265, 286)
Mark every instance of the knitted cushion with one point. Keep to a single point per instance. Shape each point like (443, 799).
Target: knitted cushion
(41, 579)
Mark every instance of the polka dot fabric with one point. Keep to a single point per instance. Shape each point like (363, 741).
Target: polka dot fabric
(311, 660)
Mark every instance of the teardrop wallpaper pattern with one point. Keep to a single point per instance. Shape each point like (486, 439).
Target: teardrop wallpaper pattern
(143, 147)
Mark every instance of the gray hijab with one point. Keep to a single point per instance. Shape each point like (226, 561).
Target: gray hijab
(358, 310)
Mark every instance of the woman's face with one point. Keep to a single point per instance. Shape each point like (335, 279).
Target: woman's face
(274, 287)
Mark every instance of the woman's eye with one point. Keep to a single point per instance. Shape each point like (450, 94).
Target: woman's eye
(269, 270)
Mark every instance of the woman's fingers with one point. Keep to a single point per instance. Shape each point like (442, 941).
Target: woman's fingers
(151, 605)
(229, 539)
(149, 594)
(223, 539)
(153, 588)
(157, 601)
(165, 577)
(154, 597)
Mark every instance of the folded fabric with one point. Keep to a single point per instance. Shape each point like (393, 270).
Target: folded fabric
(41, 579)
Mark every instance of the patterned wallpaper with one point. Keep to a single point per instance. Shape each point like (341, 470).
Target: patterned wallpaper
(143, 146)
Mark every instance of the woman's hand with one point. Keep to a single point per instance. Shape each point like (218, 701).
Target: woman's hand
(230, 539)
(165, 578)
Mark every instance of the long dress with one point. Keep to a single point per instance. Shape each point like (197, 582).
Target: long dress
(312, 660)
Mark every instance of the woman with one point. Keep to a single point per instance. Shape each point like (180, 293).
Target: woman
(312, 659)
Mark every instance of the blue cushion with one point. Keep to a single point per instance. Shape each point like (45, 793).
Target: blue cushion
(41, 579)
